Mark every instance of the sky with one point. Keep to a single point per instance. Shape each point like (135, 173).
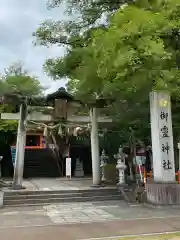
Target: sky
(18, 20)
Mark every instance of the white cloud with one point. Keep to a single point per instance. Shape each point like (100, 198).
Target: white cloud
(18, 20)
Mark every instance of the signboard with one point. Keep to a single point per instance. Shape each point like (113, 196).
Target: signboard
(68, 167)
(13, 154)
(61, 108)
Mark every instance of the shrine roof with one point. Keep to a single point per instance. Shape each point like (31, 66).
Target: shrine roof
(61, 93)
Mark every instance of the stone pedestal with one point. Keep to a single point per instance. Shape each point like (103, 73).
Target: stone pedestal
(121, 175)
(17, 187)
(163, 193)
(79, 172)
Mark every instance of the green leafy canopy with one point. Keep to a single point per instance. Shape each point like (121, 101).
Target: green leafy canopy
(134, 51)
(17, 81)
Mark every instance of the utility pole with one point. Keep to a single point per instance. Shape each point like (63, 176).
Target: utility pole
(96, 172)
(20, 144)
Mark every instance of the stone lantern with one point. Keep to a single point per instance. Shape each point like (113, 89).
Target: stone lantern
(103, 163)
(120, 166)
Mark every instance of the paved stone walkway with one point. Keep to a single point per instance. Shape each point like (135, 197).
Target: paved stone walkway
(80, 221)
(57, 184)
(79, 213)
(62, 184)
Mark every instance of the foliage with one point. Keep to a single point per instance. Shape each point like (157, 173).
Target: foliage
(127, 50)
(16, 80)
(134, 51)
(86, 14)
(7, 125)
(15, 69)
(130, 57)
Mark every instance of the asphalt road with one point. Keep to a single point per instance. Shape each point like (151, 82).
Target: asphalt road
(91, 230)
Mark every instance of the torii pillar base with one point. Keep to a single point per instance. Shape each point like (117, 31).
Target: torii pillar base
(17, 187)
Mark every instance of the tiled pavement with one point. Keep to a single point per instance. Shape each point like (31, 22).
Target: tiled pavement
(94, 212)
(78, 213)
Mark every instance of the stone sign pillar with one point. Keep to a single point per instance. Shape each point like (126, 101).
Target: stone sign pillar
(163, 190)
(162, 137)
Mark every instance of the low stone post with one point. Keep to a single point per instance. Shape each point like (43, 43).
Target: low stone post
(1, 198)
(120, 166)
(103, 163)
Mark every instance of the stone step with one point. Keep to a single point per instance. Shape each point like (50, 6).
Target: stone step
(47, 201)
(42, 192)
(58, 195)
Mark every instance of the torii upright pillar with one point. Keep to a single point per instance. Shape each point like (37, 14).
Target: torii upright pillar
(96, 172)
(20, 144)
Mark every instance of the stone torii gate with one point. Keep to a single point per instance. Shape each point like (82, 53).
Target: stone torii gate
(62, 107)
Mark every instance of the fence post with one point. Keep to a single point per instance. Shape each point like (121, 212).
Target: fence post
(145, 176)
(151, 176)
